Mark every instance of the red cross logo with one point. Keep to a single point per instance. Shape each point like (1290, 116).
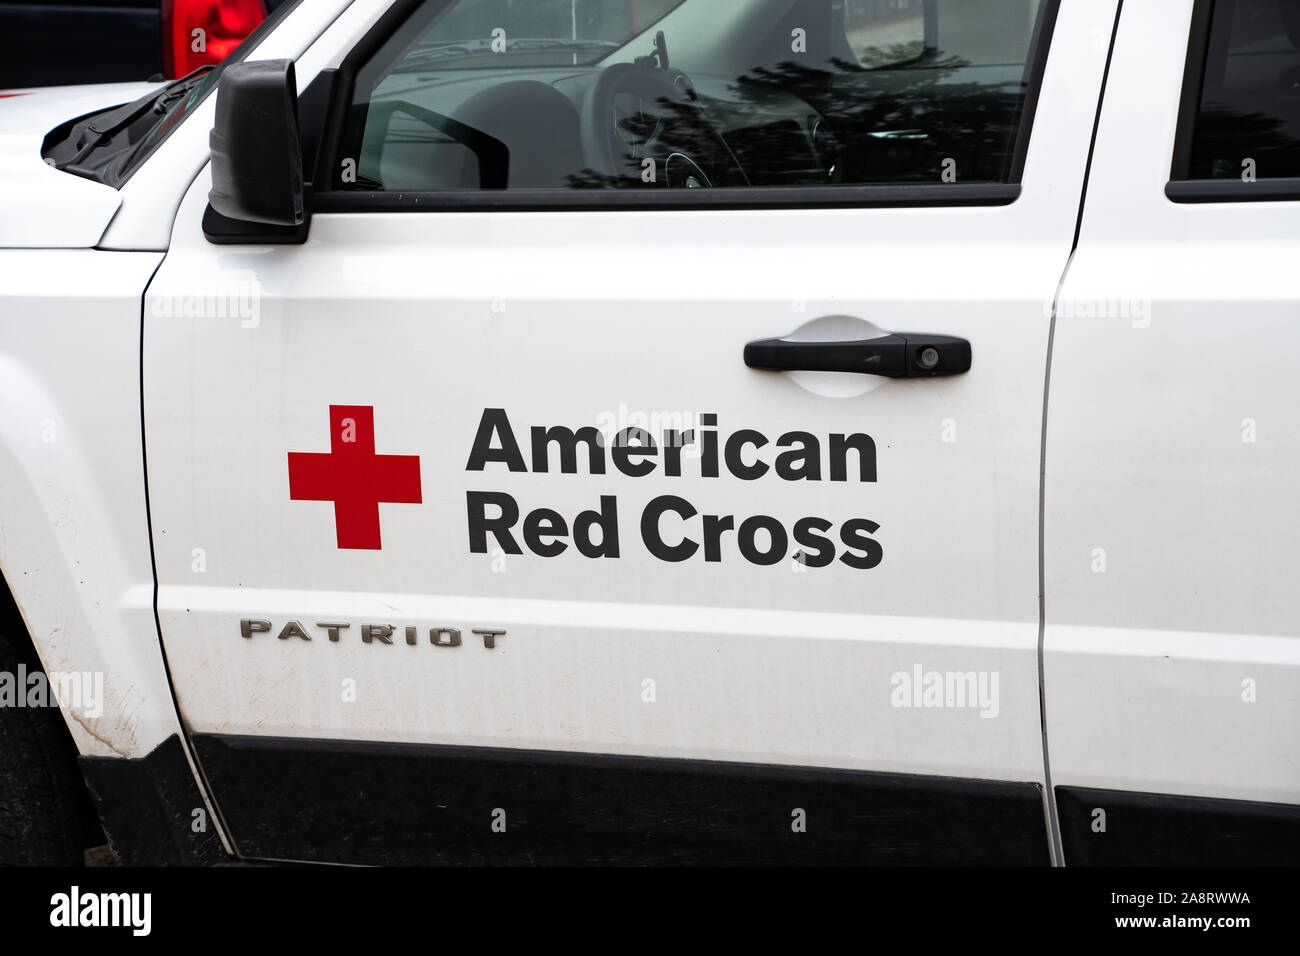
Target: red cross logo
(354, 477)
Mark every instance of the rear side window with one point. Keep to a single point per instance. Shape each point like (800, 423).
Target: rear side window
(1240, 117)
(653, 95)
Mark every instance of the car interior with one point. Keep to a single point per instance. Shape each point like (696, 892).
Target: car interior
(1250, 96)
(651, 94)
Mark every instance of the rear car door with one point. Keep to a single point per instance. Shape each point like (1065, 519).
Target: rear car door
(535, 507)
(1172, 531)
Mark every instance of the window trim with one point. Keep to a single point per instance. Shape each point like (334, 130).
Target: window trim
(1189, 191)
(616, 200)
(884, 196)
(1180, 189)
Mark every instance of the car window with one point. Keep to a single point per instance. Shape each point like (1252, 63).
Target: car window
(1243, 120)
(653, 94)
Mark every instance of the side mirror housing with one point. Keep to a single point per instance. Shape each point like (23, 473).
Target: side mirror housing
(257, 174)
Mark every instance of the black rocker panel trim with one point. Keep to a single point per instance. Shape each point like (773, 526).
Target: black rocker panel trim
(410, 804)
(1158, 829)
(147, 805)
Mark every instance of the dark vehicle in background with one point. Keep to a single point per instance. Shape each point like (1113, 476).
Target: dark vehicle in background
(67, 42)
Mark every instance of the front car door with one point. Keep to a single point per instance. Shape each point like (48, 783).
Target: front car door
(476, 536)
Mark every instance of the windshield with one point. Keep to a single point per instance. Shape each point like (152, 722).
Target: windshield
(194, 92)
(542, 32)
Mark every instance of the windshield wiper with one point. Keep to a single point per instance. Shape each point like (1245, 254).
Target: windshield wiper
(455, 48)
(531, 43)
(174, 91)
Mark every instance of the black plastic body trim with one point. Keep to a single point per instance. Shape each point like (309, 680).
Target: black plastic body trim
(377, 803)
(1233, 190)
(525, 200)
(902, 355)
(314, 105)
(223, 231)
(1034, 70)
(146, 806)
(1189, 104)
(1156, 829)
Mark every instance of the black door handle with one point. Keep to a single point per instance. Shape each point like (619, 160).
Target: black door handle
(904, 355)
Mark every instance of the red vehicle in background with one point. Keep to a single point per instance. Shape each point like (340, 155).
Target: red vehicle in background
(65, 42)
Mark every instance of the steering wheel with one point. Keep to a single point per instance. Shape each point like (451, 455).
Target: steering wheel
(635, 113)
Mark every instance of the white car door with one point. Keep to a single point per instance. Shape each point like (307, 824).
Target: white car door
(478, 538)
(1172, 531)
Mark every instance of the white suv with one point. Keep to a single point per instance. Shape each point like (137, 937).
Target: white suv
(664, 430)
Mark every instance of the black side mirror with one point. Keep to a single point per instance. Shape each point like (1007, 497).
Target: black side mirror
(256, 150)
